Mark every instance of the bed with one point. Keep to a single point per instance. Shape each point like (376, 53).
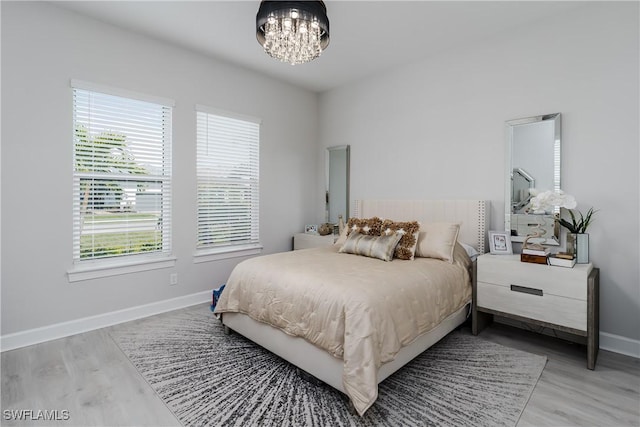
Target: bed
(350, 320)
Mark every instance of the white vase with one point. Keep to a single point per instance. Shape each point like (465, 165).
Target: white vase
(582, 244)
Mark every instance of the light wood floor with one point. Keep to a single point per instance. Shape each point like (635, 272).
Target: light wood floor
(90, 377)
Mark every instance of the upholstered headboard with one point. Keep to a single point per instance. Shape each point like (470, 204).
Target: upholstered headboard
(472, 215)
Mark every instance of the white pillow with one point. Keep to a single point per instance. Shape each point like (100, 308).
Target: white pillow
(471, 251)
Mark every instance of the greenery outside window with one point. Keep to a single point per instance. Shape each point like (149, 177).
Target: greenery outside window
(122, 175)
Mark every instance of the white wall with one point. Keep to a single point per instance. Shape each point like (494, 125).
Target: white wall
(435, 129)
(43, 47)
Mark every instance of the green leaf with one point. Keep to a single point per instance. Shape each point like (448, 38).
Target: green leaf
(569, 226)
(576, 225)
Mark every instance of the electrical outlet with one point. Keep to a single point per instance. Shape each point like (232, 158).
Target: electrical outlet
(173, 279)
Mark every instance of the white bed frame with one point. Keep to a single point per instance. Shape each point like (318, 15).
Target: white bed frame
(473, 216)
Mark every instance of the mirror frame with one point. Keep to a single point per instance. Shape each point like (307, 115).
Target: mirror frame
(510, 125)
(328, 195)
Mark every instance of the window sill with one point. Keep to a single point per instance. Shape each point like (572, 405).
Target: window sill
(207, 255)
(96, 270)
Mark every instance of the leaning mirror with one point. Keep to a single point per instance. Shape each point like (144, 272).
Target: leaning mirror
(337, 183)
(533, 161)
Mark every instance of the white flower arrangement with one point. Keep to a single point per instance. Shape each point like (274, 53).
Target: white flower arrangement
(545, 201)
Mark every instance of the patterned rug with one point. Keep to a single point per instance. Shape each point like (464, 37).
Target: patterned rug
(210, 379)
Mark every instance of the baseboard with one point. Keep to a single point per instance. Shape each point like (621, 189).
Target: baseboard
(609, 342)
(619, 344)
(86, 324)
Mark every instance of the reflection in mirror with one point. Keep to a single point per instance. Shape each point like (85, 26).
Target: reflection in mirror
(337, 183)
(533, 161)
(521, 184)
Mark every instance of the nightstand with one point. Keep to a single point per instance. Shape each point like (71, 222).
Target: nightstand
(306, 241)
(563, 299)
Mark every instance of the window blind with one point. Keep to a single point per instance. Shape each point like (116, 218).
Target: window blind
(122, 176)
(228, 180)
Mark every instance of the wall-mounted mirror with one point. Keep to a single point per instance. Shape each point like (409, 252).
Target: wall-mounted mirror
(337, 183)
(533, 161)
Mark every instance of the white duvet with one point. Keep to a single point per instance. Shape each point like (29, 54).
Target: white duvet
(362, 310)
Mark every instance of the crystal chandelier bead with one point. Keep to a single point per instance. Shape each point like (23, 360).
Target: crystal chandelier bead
(293, 32)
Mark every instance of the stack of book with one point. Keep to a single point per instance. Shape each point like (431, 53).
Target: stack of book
(562, 260)
(536, 256)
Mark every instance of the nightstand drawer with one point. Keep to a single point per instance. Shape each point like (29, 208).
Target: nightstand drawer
(506, 271)
(568, 312)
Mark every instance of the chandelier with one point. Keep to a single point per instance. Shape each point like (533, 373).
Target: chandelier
(293, 31)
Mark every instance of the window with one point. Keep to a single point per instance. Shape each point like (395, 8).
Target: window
(122, 175)
(228, 177)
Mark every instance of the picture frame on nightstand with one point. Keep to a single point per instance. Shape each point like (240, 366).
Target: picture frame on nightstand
(311, 229)
(500, 243)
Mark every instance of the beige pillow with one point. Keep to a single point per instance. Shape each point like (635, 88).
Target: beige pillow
(437, 240)
(380, 247)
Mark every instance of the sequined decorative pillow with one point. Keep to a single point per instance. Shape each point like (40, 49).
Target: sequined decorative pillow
(380, 247)
(370, 226)
(406, 248)
(377, 227)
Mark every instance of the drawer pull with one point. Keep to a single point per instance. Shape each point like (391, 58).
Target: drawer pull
(525, 290)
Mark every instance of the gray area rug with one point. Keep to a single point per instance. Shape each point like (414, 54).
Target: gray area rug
(210, 379)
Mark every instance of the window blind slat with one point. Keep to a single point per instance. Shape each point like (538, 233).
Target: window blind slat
(228, 180)
(122, 176)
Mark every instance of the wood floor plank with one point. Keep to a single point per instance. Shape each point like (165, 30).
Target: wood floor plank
(89, 376)
(568, 394)
(85, 374)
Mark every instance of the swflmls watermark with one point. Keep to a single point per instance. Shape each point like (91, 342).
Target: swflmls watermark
(36, 415)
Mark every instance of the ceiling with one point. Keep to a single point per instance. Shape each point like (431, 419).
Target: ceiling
(367, 37)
